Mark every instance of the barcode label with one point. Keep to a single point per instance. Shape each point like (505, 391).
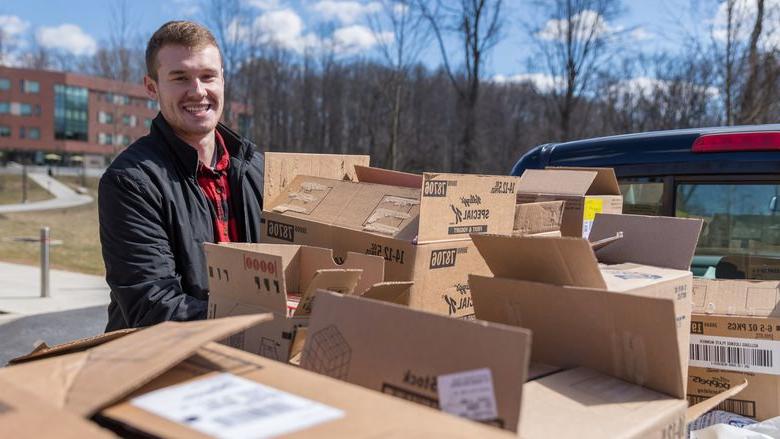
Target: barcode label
(228, 406)
(738, 406)
(739, 354)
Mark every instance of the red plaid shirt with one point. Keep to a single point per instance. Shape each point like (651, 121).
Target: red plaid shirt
(214, 184)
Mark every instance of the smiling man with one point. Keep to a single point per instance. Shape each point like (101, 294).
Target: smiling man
(190, 180)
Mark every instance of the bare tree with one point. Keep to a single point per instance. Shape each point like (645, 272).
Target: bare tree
(477, 25)
(574, 40)
(401, 37)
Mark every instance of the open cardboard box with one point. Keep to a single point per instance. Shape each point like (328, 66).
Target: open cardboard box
(283, 279)
(586, 191)
(474, 369)
(619, 328)
(735, 336)
(208, 389)
(420, 225)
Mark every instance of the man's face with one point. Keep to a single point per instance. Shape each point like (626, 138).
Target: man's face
(189, 88)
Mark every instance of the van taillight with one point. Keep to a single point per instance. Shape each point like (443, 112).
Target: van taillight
(731, 142)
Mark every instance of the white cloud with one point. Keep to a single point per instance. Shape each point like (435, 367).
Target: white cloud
(67, 37)
(640, 34)
(12, 26)
(346, 12)
(187, 8)
(587, 25)
(285, 28)
(357, 38)
(743, 18)
(542, 82)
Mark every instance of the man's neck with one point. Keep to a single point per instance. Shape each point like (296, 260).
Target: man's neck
(204, 145)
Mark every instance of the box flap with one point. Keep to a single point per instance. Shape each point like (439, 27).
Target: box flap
(316, 258)
(631, 337)
(393, 292)
(282, 167)
(366, 174)
(453, 206)
(542, 217)
(405, 352)
(253, 274)
(23, 415)
(660, 241)
(81, 344)
(703, 407)
(338, 280)
(582, 403)
(606, 182)
(558, 182)
(391, 211)
(553, 260)
(736, 297)
(85, 382)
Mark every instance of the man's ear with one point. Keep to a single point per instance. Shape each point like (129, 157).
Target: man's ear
(151, 87)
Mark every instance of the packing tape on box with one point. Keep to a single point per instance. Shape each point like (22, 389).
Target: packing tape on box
(381, 228)
(282, 208)
(401, 202)
(301, 196)
(309, 186)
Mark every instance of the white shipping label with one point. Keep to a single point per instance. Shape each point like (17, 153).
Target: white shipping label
(468, 394)
(230, 406)
(739, 354)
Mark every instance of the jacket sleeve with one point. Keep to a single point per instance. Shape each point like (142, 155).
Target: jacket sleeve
(140, 265)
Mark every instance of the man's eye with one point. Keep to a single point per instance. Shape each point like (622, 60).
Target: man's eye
(209, 78)
(179, 78)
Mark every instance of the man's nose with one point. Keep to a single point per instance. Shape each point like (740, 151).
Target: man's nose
(197, 88)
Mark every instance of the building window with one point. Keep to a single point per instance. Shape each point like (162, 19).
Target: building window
(19, 109)
(105, 139)
(33, 133)
(5, 84)
(5, 107)
(148, 123)
(105, 117)
(70, 112)
(122, 140)
(152, 104)
(5, 131)
(129, 120)
(30, 86)
(121, 99)
(22, 132)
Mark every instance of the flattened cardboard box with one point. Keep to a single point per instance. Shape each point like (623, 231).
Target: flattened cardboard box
(291, 402)
(405, 353)
(282, 167)
(256, 278)
(735, 335)
(422, 233)
(586, 191)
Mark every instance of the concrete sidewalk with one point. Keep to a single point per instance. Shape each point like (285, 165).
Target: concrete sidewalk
(20, 290)
(63, 197)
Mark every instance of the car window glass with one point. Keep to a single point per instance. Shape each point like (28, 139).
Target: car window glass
(741, 230)
(642, 197)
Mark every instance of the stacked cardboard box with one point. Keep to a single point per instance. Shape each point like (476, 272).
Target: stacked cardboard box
(586, 191)
(735, 336)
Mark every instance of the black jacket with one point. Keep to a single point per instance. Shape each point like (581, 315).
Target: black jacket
(154, 220)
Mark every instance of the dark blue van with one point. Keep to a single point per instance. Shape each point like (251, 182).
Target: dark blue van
(728, 176)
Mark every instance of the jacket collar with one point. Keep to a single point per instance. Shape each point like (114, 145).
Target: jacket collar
(187, 155)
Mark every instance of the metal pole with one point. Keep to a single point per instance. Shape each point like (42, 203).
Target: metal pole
(24, 183)
(44, 262)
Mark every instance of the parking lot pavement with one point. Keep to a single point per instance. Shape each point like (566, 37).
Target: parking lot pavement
(75, 309)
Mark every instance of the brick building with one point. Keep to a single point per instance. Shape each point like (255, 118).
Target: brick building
(64, 118)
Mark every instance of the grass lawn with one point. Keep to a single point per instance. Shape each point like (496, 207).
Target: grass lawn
(77, 227)
(11, 190)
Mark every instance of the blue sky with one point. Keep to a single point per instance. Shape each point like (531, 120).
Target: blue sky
(77, 26)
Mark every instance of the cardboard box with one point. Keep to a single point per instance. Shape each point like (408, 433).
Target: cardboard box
(422, 233)
(586, 191)
(735, 335)
(228, 392)
(44, 351)
(282, 167)
(282, 279)
(542, 218)
(619, 322)
(23, 415)
(416, 355)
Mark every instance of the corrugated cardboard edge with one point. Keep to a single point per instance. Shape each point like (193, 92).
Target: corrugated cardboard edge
(703, 407)
(556, 182)
(393, 292)
(367, 174)
(90, 380)
(605, 183)
(71, 346)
